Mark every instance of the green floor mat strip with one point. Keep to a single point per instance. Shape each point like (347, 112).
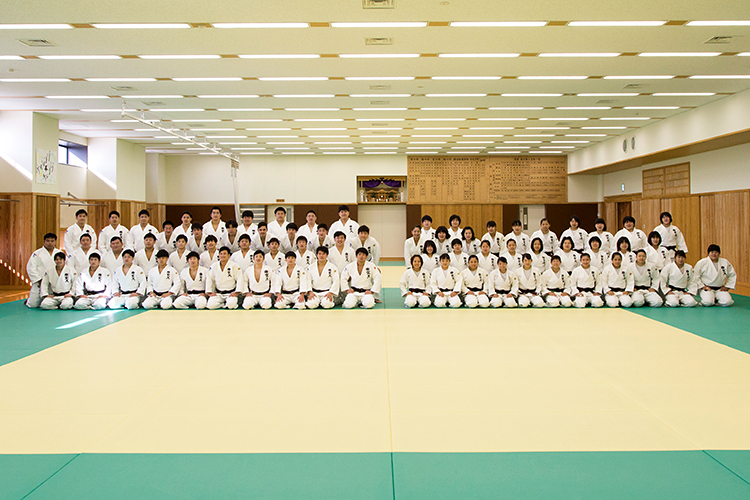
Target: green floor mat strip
(738, 461)
(21, 474)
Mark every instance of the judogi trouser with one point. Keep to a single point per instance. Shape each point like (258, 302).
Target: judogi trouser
(192, 299)
(57, 302)
(418, 297)
(476, 299)
(447, 300)
(587, 298)
(35, 296)
(90, 301)
(618, 299)
(527, 298)
(223, 299)
(555, 298)
(502, 300)
(319, 300)
(715, 295)
(125, 300)
(257, 300)
(359, 297)
(680, 297)
(641, 296)
(158, 301)
(290, 298)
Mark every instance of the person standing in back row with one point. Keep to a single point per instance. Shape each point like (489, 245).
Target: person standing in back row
(277, 228)
(346, 225)
(73, 233)
(549, 239)
(140, 230)
(215, 226)
(671, 236)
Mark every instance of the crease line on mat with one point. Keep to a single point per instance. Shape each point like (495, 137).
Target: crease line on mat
(727, 468)
(390, 413)
(51, 476)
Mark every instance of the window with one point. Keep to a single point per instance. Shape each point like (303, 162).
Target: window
(72, 154)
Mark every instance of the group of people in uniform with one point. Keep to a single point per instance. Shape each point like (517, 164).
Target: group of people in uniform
(208, 266)
(278, 264)
(452, 267)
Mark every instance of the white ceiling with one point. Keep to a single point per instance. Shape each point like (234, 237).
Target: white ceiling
(363, 118)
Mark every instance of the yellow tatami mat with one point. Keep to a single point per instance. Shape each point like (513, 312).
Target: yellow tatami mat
(377, 381)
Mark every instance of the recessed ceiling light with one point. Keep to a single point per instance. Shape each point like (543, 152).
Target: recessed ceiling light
(338, 147)
(522, 142)
(603, 128)
(245, 149)
(35, 27)
(377, 56)
(744, 54)
(209, 79)
(80, 57)
(331, 137)
(630, 118)
(512, 147)
(260, 25)
(76, 97)
(719, 23)
(380, 152)
(683, 94)
(503, 152)
(464, 152)
(570, 142)
(531, 95)
(422, 147)
(719, 77)
(427, 142)
(11, 58)
(552, 77)
(380, 25)
(639, 77)
(430, 136)
(267, 129)
(475, 142)
(548, 152)
(213, 130)
(120, 79)
(679, 54)
(455, 95)
(379, 119)
(180, 56)
(339, 153)
(379, 95)
(292, 148)
(126, 26)
(265, 153)
(337, 142)
(480, 55)
(556, 147)
(610, 94)
(579, 54)
(380, 148)
(279, 56)
(491, 128)
(477, 135)
(33, 80)
(292, 78)
(533, 135)
(651, 107)
(583, 107)
(466, 77)
(435, 128)
(235, 143)
(377, 78)
(502, 119)
(298, 153)
(497, 24)
(617, 23)
(107, 110)
(282, 143)
(243, 96)
(303, 95)
(379, 142)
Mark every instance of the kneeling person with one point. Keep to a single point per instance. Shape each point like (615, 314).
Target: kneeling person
(617, 283)
(473, 280)
(446, 283)
(129, 283)
(717, 277)
(93, 285)
(362, 281)
(57, 285)
(586, 284)
(529, 284)
(194, 279)
(324, 281)
(679, 283)
(224, 282)
(257, 283)
(556, 285)
(290, 284)
(645, 281)
(502, 285)
(163, 283)
(415, 284)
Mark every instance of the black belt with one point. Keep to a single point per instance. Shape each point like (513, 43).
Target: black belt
(283, 292)
(416, 290)
(678, 289)
(585, 290)
(320, 291)
(616, 289)
(670, 247)
(446, 289)
(253, 292)
(642, 287)
(527, 290)
(474, 289)
(225, 291)
(165, 291)
(550, 254)
(60, 294)
(359, 290)
(195, 292)
(502, 291)
(556, 290)
(86, 292)
(578, 251)
(714, 288)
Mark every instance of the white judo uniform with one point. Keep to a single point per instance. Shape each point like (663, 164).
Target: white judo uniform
(360, 282)
(443, 246)
(193, 289)
(168, 280)
(579, 236)
(111, 261)
(523, 242)
(505, 286)
(275, 262)
(671, 239)
(321, 283)
(167, 243)
(255, 285)
(218, 231)
(258, 243)
(568, 260)
(207, 260)
(144, 261)
(308, 232)
(327, 242)
(473, 285)
(460, 261)
(554, 285)
(79, 259)
(715, 276)
(349, 229)
(131, 286)
(342, 258)
(608, 241)
(372, 246)
(244, 261)
(72, 239)
(58, 286)
(497, 242)
(540, 261)
(93, 291)
(109, 232)
(682, 282)
(39, 263)
(137, 233)
(412, 248)
(430, 263)
(250, 230)
(488, 263)
(550, 241)
(227, 241)
(178, 261)
(636, 236)
(587, 282)
(224, 282)
(277, 230)
(196, 246)
(446, 281)
(289, 286)
(306, 259)
(287, 245)
(645, 279)
(415, 288)
(620, 283)
(515, 261)
(472, 247)
(599, 259)
(529, 287)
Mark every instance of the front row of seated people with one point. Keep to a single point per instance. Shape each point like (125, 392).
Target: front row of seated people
(619, 284)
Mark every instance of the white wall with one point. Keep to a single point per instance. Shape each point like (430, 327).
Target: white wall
(102, 168)
(45, 135)
(584, 188)
(156, 184)
(15, 151)
(387, 224)
(131, 171)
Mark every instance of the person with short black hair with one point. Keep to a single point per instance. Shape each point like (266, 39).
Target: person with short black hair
(163, 283)
(671, 236)
(657, 254)
(93, 286)
(636, 237)
(324, 282)
(224, 283)
(646, 281)
(513, 258)
(716, 277)
(496, 239)
(146, 257)
(442, 242)
(341, 254)
(231, 238)
(502, 285)
(248, 227)
(277, 227)
(256, 284)
(413, 245)
(322, 238)
(487, 260)
(346, 225)
(471, 244)
(139, 231)
(211, 255)
(679, 282)
(215, 226)
(166, 240)
(459, 258)
(194, 279)
(454, 229)
(58, 283)
(585, 283)
(310, 228)
(523, 242)
(430, 257)
(260, 240)
(72, 240)
(428, 233)
(549, 238)
(446, 283)
(473, 281)
(186, 226)
(361, 281)
(41, 261)
(178, 258)
(539, 259)
(80, 258)
(289, 241)
(364, 240)
(529, 284)
(415, 283)
(290, 284)
(556, 289)
(244, 256)
(599, 256)
(617, 284)
(606, 240)
(624, 249)
(129, 283)
(197, 241)
(569, 259)
(305, 257)
(113, 258)
(578, 235)
(114, 228)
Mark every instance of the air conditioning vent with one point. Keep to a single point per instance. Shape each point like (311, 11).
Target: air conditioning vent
(36, 42)
(380, 87)
(634, 86)
(154, 103)
(378, 41)
(719, 39)
(123, 88)
(380, 103)
(378, 4)
(379, 124)
(605, 101)
(194, 125)
(376, 132)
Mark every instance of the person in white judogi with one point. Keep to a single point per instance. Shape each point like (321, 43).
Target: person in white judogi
(471, 245)
(196, 240)
(341, 254)
(657, 254)
(224, 283)
(178, 258)
(80, 258)
(146, 257)
(624, 249)
(215, 226)
(459, 258)
(41, 261)
(346, 225)
(256, 284)
(194, 279)
(322, 238)
(231, 238)
(290, 284)
(442, 241)
(549, 239)
(430, 257)
(445, 284)
(473, 281)
(93, 286)
(496, 239)
(277, 227)
(716, 277)
(163, 283)
(617, 283)
(113, 229)
(502, 286)
(679, 282)
(599, 257)
(512, 257)
(261, 239)
(211, 255)
(274, 258)
(73, 234)
(454, 227)
(413, 245)
(539, 259)
(523, 242)
(569, 259)
(606, 240)
(113, 258)
(415, 283)
(488, 260)
(646, 281)
(244, 256)
(248, 227)
(556, 289)
(310, 228)
(364, 240)
(636, 236)
(428, 232)
(186, 227)
(361, 281)
(289, 241)
(305, 258)
(166, 240)
(529, 284)
(574, 232)
(585, 283)
(324, 282)
(58, 283)
(128, 284)
(139, 231)
(671, 236)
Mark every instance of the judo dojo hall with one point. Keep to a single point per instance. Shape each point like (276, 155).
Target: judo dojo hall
(134, 105)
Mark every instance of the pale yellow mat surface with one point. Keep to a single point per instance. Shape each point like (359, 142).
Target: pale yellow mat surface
(375, 381)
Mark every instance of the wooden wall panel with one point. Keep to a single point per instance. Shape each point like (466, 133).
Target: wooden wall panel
(129, 212)
(510, 213)
(650, 210)
(686, 214)
(559, 215)
(158, 213)
(16, 235)
(413, 218)
(47, 217)
(326, 212)
(99, 212)
(725, 219)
